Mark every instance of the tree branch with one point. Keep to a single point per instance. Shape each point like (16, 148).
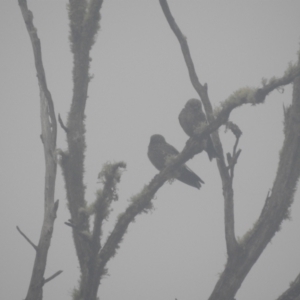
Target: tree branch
(142, 201)
(293, 292)
(110, 176)
(241, 261)
(200, 89)
(84, 23)
(49, 132)
(275, 210)
(77, 10)
(53, 276)
(231, 242)
(61, 123)
(242, 96)
(27, 239)
(91, 22)
(232, 159)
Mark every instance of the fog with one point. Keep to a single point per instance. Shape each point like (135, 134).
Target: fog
(140, 84)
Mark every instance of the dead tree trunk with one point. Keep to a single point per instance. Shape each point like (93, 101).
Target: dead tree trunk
(48, 137)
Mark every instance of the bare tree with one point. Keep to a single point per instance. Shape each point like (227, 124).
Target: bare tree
(48, 138)
(92, 251)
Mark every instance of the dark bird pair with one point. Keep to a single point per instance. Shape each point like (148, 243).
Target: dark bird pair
(159, 151)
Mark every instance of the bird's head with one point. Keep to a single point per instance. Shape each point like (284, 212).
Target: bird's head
(193, 104)
(157, 139)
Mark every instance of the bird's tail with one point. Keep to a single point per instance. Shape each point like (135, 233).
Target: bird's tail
(210, 149)
(187, 176)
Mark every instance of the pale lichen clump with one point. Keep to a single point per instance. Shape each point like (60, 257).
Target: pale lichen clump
(242, 95)
(172, 176)
(237, 98)
(216, 111)
(137, 200)
(110, 170)
(169, 160)
(110, 176)
(271, 81)
(200, 128)
(291, 69)
(243, 239)
(88, 210)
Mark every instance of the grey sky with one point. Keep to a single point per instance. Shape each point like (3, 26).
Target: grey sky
(140, 85)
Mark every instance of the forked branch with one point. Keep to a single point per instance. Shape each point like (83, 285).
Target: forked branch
(241, 259)
(202, 92)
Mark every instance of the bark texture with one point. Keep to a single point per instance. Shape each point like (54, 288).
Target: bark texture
(48, 137)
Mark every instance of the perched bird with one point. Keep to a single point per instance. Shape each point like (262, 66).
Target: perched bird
(192, 117)
(159, 151)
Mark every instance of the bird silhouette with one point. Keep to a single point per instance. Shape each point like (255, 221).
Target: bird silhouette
(192, 117)
(159, 151)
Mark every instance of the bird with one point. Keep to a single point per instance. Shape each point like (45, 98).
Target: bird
(191, 118)
(159, 151)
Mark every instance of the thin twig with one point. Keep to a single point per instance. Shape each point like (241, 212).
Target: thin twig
(84, 234)
(234, 129)
(70, 224)
(235, 154)
(234, 162)
(53, 276)
(62, 125)
(27, 239)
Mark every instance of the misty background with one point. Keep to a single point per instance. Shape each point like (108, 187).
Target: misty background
(140, 85)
